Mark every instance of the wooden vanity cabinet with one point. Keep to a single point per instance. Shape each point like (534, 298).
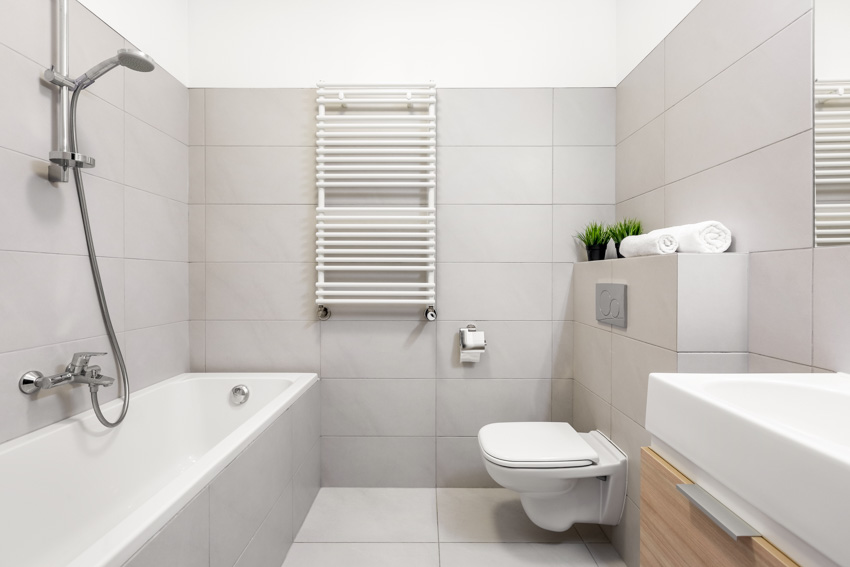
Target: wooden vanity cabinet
(675, 533)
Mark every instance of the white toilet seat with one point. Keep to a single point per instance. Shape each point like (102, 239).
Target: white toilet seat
(543, 445)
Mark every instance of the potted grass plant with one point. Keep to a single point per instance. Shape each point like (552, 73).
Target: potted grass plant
(595, 238)
(622, 229)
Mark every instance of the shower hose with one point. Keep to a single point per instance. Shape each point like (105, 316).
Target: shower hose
(98, 284)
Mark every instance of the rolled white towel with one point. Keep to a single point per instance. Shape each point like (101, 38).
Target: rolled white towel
(648, 245)
(703, 237)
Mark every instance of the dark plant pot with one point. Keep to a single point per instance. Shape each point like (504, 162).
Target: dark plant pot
(596, 252)
(617, 246)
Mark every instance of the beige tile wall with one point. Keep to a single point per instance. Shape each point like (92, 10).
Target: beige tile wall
(136, 126)
(520, 171)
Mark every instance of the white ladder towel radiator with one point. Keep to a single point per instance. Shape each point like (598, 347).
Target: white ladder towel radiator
(376, 164)
(832, 162)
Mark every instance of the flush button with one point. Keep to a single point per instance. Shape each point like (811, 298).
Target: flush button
(611, 304)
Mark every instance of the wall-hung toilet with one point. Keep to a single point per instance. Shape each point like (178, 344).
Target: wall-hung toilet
(562, 477)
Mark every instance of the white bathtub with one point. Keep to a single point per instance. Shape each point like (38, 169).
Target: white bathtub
(76, 493)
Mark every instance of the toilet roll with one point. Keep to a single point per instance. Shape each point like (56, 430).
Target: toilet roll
(472, 344)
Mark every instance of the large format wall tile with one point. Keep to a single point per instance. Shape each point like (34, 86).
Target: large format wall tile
(734, 114)
(494, 117)
(25, 32)
(465, 406)
(831, 309)
(160, 100)
(262, 346)
(593, 360)
(584, 117)
(764, 198)
(378, 349)
(154, 161)
(652, 298)
(495, 291)
(567, 220)
(260, 175)
(378, 408)
(640, 96)
(276, 292)
(515, 349)
(633, 361)
(630, 437)
(718, 33)
(184, 541)
(406, 462)
(156, 228)
(780, 305)
(100, 131)
(640, 161)
(494, 233)
(647, 208)
(90, 42)
(156, 293)
(170, 343)
(196, 117)
(260, 233)
(586, 276)
(590, 411)
(474, 175)
(583, 175)
(459, 464)
(26, 107)
(260, 117)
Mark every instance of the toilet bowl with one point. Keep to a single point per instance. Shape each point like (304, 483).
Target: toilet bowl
(563, 477)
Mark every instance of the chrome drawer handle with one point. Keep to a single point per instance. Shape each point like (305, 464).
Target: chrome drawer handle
(725, 518)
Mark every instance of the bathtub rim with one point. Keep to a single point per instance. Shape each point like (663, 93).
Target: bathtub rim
(126, 538)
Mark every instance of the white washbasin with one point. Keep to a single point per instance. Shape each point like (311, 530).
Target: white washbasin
(774, 448)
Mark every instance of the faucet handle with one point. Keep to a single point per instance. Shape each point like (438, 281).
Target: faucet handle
(81, 360)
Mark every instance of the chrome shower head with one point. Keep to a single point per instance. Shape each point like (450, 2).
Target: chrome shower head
(130, 58)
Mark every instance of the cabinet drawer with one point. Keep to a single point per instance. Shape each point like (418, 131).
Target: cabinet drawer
(675, 533)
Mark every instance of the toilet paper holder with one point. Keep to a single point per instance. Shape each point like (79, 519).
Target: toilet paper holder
(472, 343)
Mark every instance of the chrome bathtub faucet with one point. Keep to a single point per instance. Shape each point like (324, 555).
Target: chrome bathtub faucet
(77, 372)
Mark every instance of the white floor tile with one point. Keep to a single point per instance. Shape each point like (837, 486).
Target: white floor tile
(378, 515)
(515, 555)
(489, 515)
(363, 555)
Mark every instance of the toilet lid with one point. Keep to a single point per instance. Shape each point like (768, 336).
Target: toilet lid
(535, 445)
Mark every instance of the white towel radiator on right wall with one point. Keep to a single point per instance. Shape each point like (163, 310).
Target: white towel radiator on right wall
(832, 162)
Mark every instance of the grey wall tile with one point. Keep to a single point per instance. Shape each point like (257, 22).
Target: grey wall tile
(640, 161)
(716, 34)
(272, 540)
(100, 133)
(261, 175)
(26, 107)
(758, 364)
(733, 114)
(712, 310)
(585, 277)
(306, 424)
(563, 305)
(562, 400)
(563, 356)
(499, 233)
(378, 349)
(25, 32)
(171, 345)
(495, 291)
(625, 537)
(465, 406)
(184, 541)
(584, 117)
(399, 408)
(160, 100)
(197, 233)
(305, 486)
(460, 465)
(278, 292)
(764, 198)
(640, 96)
(155, 228)
(197, 346)
(713, 362)
(583, 175)
(261, 233)
(90, 42)
(590, 412)
(197, 174)
(494, 175)
(494, 117)
(831, 310)
(260, 117)
(515, 349)
(145, 145)
(197, 292)
(593, 359)
(262, 346)
(647, 208)
(652, 298)
(404, 462)
(245, 492)
(630, 437)
(156, 293)
(567, 220)
(632, 363)
(196, 117)
(780, 305)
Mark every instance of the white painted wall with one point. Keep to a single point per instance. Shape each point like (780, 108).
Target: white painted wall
(157, 27)
(467, 43)
(832, 39)
(642, 24)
